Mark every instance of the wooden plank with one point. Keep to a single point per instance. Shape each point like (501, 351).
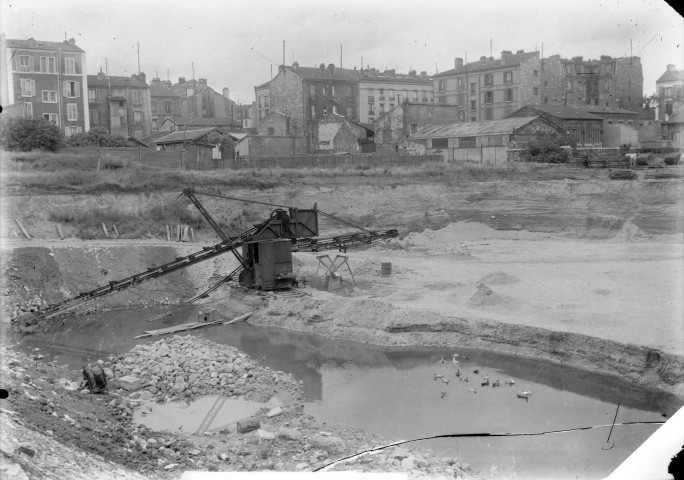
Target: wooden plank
(116, 231)
(189, 326)
(178, 233)
(22, 229)
(241, 317)
(168, 234)
(59, 230)
(192, 235)
(104, 227)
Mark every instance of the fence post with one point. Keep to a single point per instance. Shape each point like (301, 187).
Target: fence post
(140, 154)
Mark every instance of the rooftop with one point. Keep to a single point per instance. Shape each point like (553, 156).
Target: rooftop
(102, 80)
(185, 136)
(671, 75)
(202, 122)
(32, 43)
(490, 63)
(472, 129)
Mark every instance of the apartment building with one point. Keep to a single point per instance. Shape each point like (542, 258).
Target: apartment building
(122, 105)
(48, 79)
(380, 92)
(670, 91)
(489, 88)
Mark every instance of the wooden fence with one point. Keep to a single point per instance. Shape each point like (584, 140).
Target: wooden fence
(484, 155)
(334, 161)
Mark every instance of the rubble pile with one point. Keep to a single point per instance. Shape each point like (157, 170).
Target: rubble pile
(185, 367)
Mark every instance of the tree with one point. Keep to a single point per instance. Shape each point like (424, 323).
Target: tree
(97, 137)
(548, 148)
(25, 134)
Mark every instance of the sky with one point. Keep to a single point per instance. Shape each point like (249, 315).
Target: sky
(239, 44)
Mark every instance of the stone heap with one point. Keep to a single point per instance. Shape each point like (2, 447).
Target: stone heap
(188, 367)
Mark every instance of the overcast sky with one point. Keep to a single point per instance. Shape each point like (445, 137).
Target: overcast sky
(234, 43)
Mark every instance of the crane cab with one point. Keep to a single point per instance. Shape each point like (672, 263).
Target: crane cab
(270, 265)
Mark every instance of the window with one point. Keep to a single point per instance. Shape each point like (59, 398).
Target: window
(25, 63)
(440, 143)
(414, 127)
(71, 89)
(489, 80)
(489, 114)
(51, 117)
(489, 97)
(332, 89)
(382, 107)
(312, 90)
(350, 112)
(122, 121)
(93, 96)
(72, 130)
(271, 131)
(167, 108)
(442, 85)
(535, 90)
(606, 86)
(350, 94)
(138, 134)
(154, 109)
(415, 95)
(313, 111)
(461, 116)
(473, 119)
(371, 109)
(535, 73)
(72, 112)
(137, 97)
(546, 100)
(508, 78)
(473, 105)
(28, 110)
(391, 95)
(460, 83)
(47, 64)
(568, 86)
(70, 65)
(473, 87)
(335, 109)
(467, 142)
(49, 96)
(28, 87)
(94, 118)
(138, 118)
(508, 95)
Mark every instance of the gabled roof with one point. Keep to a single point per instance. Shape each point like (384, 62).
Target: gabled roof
(564, 112)
(511, 60)
(202, 122)
(139, 142)
(101, 80)
(609, 110)
(185, 136)
(473, 129)
(671, 76)
(161, 89)
(236, 136)
(150, 139)
(311, 73)
(32, 43)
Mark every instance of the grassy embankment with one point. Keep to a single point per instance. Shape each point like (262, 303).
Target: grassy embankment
(80, 174)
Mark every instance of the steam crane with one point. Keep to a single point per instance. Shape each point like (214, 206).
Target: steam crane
(264, 252)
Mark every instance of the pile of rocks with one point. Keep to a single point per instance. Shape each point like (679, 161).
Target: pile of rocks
(188, 366)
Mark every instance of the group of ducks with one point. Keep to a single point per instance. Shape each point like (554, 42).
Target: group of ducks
(485, 382)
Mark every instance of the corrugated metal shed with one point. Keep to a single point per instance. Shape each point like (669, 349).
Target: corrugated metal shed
(505, 126)
(187, 136)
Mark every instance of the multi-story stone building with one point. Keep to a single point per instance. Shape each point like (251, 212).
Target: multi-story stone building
(48, 79)
(191, 99)
(489, 88)
(606, 82)
(122, 105)
(380, 92)
(299, 97)
(670, 110)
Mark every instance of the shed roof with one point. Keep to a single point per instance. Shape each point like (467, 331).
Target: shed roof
(185, 136)
(473, 129)
(565, 112)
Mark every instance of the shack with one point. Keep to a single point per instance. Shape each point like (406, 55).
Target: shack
(198, 145)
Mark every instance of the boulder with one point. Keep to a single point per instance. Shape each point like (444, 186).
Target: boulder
(248, 424)
(289, 433)
(129, 382)
(329, 444)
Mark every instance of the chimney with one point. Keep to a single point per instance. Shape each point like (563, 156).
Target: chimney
(72, 42)
(423, 75)
(505, 56)
(577, 59)
(203, 81)
(140, 77)
(606, 58)
(483, 57)
(181, 80)
(458, 62)
(322, 66)
(226, 92)
(518, 52)
(331, 68)
(295, 65)
(671, 68)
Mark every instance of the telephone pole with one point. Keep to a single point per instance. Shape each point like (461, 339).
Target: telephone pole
(340, 56)
(138, 44)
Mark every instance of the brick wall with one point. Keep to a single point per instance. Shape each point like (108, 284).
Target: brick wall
(287, 97)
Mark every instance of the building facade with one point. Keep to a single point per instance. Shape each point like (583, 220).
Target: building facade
(584, 127)
(606, 82)
(48, 79)
(489, 88)
(381, 92)
(670, 92)
(122, 105)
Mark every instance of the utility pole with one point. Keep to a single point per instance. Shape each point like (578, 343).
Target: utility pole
(106, 67)
(168, 78)
(340, 56)
(283, 53)
(193, 74)
(138, 43)
(631, 53)
(491, 54)
(361, 63)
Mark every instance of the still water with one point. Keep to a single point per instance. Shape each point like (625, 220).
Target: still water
(394, 393)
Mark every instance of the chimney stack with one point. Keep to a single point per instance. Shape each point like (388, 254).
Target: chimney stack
(322, 66)
(203, 81)
(671, 67)
(295, 65)
(226, 92)
(483, 57)
(505, 56)
(423, 75)
(331, 68)
(458, 62)
(181, 80)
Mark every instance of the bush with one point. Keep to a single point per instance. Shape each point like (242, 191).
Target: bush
(96, 137)
(24, 135)
(548, 148)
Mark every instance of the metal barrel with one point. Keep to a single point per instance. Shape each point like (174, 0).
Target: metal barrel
(385, 268)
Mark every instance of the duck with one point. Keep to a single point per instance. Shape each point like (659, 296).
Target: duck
(444, 394)
(474, 390)
(485, 382)
(436, 376)
(465, 379)
(524, 394)
(496, 384)
(453, 360)
(476, 371)
(445, 380)
(510, 381)
(442, 360)
(458, 372)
